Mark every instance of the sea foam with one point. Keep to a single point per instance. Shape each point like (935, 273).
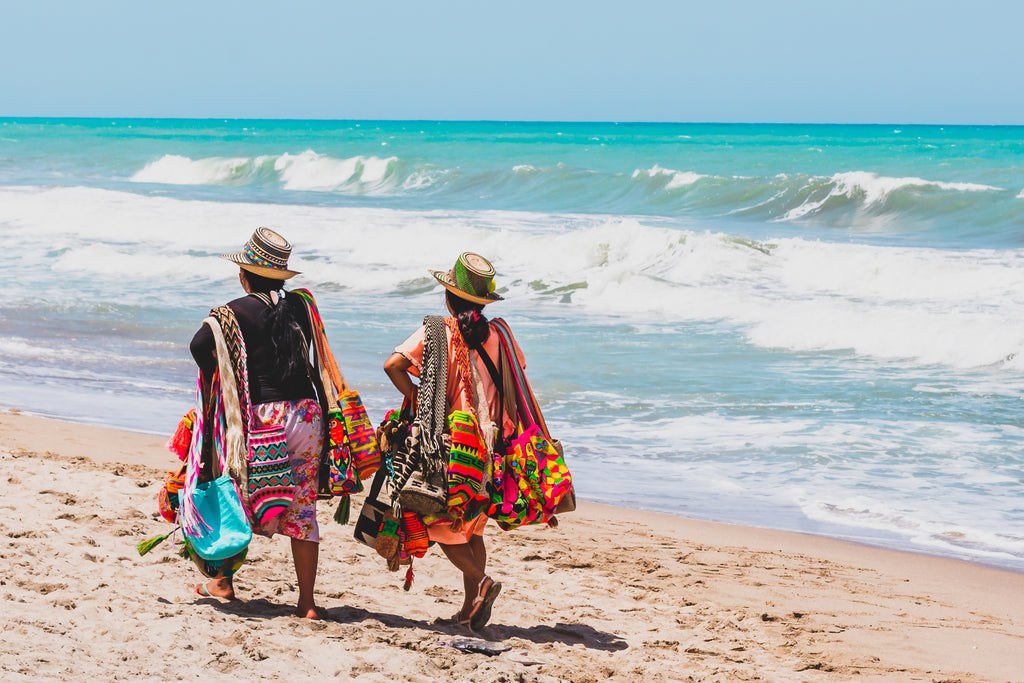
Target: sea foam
(173, 169)
(962, 309)
(306, 171)
(869, 189)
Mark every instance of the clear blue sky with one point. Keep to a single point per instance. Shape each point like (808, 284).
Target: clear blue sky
(884, 61)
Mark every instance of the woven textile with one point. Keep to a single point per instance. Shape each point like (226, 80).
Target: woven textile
(264, 472)
(343, 477)
(467, 461)
(237, 360)
(413, 540)
(353, 449)
(363, 451)
(271, 489)
(460, 354)
(431, 405)
(536, 479)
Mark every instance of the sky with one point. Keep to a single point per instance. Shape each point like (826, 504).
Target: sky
(889, 61)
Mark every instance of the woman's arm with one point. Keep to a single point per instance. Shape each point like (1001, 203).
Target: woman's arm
(204, 351)
(397, 369)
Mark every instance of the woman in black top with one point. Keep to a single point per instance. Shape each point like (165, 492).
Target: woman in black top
(275, 329)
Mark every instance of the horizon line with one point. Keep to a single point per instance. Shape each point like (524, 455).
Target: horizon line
(6, 117)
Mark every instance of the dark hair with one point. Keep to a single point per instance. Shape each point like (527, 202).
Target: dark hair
(286, 336)
(472, 322)
(259, 283)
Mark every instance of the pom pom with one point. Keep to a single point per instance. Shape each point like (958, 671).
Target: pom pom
(182, 437)
(490, 287)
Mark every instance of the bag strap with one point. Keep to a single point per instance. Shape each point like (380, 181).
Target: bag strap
(323, 350)
(234, 437)
(529, 402)
(319, 377)
(318, 370)
(496, 378)
(526, 418)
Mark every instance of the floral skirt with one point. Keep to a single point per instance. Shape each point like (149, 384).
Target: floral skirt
(303, 428)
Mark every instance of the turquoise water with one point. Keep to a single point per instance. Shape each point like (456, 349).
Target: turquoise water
(802, 327)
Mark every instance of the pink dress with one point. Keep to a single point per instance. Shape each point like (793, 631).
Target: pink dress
(412, 350)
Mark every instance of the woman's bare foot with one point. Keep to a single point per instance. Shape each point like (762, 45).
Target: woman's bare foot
(216, 588)
(313, 612)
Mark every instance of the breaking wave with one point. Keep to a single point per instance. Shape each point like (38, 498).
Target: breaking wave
(851, 199)
(931, 306)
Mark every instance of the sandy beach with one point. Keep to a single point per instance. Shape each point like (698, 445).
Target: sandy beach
(611, 594)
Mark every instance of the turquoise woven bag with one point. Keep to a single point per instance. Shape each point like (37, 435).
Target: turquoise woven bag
(223, 530)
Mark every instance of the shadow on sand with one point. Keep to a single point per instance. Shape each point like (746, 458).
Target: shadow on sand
(569, 634)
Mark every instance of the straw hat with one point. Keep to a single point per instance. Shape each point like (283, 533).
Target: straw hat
(471, 278)
(266, 253)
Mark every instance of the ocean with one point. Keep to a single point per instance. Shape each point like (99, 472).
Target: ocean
(815, 328)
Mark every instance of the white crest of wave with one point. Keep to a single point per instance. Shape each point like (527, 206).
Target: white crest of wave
(873, 189)
(1020, 195)
(312, 171)
(676, 179)
(173, 169)
(963, 308)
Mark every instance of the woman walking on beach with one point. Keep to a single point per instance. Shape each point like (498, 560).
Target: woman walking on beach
(469, 287)
(274, 328)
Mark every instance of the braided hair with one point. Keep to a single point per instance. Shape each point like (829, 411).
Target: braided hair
(472, 322)
(286, 337)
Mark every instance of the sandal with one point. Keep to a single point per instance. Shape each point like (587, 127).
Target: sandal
(482, 609)
(202, 590)
(454, 620)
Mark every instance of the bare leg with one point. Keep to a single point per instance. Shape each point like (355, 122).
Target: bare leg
(305, 555)
(476, 544)
(470, 559)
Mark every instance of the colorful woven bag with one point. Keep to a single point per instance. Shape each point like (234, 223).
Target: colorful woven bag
(343, 479)
(213, 519)
(536, 479)
(268, 487)
(467, 462)
(354, 454)
(362, 437)
(169, 497)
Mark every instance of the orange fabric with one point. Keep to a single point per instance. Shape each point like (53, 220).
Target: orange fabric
(442, 533)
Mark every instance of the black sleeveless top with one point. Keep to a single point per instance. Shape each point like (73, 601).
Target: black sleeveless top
(265, 383)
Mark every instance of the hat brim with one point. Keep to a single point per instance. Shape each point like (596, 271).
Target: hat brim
(239, 259)
(442, 275)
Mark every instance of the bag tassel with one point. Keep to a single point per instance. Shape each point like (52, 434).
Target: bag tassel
(150, 543)
(409, 576)
(342, 513)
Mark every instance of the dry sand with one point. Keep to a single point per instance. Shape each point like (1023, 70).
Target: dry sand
(610, 594)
